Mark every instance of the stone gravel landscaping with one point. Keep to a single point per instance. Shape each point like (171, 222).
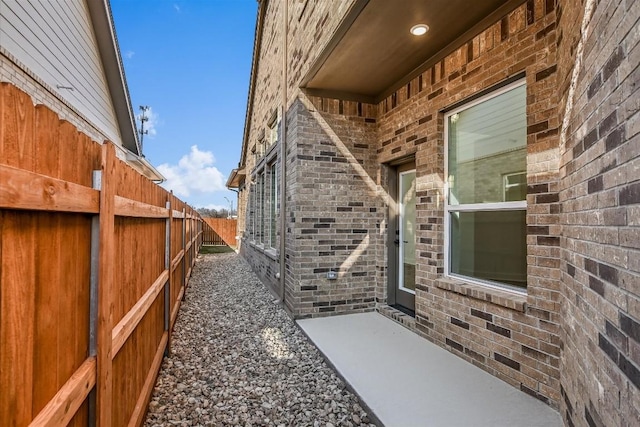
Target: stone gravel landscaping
(238, 359)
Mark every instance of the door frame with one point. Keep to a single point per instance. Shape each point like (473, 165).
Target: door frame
(393, 231)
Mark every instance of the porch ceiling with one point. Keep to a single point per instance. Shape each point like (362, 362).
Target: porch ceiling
(373, 49)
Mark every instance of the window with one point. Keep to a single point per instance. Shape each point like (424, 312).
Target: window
(260, 219)
(273, 192)
(485, 209)
(264, 198)
(257, 208)
(274, 127)
(264, 206)
(514, 186)
(254, 153)
(251, 226)
(258, 151)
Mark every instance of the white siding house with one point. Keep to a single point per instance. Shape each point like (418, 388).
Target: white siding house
(65, 55)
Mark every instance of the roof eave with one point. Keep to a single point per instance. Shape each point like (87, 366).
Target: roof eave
(102, 21)
(257, 40)
(143, 166)
(236, 177)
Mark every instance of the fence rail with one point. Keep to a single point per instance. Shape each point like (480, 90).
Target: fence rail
(94, 262)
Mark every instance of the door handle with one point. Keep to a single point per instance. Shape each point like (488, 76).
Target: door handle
(397, 241)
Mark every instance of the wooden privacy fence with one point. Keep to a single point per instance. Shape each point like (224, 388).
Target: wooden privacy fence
(94, 261)
(223, 231)
(210, 237)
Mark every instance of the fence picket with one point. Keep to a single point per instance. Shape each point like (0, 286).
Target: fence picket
(223, 231)
(105, 284)
(17, 298)
(46, 273)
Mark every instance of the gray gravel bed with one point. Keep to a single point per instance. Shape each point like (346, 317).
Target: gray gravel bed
(238, 359)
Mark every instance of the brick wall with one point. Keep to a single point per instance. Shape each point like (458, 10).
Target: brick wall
(303, 46)
(335, 208)
(513, 337)
(600, 196)
(572, 340)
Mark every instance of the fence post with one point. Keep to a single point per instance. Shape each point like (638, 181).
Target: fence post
(184, 253)
(167, 285)
(191, 249)
(93, 294)
(106, 251)
(193, 237)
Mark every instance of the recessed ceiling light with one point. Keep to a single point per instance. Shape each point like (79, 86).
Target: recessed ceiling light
(420, 29)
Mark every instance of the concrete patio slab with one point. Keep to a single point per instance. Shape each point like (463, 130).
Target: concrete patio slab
(408, 381)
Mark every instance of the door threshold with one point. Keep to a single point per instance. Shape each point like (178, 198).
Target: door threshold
(405, 310)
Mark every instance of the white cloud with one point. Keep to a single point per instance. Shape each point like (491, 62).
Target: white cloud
(176, 7)
(194, 174)
(129, 54)
(151, 123)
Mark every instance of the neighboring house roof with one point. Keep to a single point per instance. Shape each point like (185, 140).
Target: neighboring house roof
(102, 20)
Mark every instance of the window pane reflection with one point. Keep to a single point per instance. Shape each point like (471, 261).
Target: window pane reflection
(490, 245)
(487, 142)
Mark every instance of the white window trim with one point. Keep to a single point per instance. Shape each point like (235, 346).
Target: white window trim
(252, 213)
(506, 186)
(261, 224)
(519, 205)
(262, 175)
(273, 203)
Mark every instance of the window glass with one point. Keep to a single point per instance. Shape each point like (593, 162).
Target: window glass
(408, 229)
(273, 133)
(490, 245)
(486, 142)
(274, 203)
(261, 208)
(487, 189)
(252, 211)
(515, 186)
(274, 129)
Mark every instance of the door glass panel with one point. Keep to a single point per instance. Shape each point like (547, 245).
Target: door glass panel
(407, 270)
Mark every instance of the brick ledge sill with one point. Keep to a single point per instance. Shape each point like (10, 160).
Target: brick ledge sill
(397, 316)
(494, 296)
(270, 252)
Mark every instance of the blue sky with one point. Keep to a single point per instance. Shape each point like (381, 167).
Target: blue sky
(189, 61)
